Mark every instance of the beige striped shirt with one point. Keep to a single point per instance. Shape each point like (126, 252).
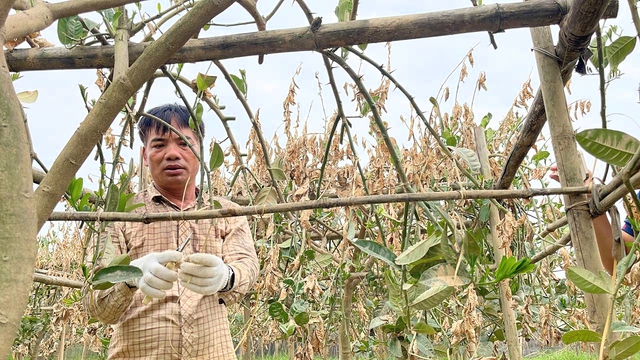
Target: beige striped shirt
(184, 324)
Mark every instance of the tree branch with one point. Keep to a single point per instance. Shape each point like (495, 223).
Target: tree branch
(440, 23)
(57, 281)
(324, 203)
(113, 99)
(42, 15)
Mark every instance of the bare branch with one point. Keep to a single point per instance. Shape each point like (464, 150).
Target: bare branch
(57, 281)
(324, 203)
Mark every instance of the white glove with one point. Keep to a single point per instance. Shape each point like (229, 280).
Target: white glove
(156, 278)
(204, 274)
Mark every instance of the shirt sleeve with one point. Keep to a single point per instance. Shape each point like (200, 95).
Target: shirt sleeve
(238, 250)
(107, 305)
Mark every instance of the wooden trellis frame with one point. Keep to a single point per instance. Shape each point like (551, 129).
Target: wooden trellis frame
(577, 20)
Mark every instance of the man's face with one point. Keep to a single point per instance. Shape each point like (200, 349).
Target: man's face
(171, 162)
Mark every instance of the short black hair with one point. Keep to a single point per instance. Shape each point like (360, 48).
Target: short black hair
(167, 112)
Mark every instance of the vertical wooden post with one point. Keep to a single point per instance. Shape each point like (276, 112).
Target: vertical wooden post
(508, 316)
(248, 348)
(564, 146)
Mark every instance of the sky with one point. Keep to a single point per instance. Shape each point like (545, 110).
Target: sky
(420, 65)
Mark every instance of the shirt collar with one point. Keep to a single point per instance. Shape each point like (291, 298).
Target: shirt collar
(156, 196)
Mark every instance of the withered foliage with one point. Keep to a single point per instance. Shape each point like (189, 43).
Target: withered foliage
(308, 258)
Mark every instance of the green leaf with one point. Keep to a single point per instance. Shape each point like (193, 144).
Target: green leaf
(287, 329)
(510, 267)
(611, 146)
(589, 282)
(278, 313)
(377, 251)
(205, 82)
(130, 208)
(417, 251)
(76, 190)
(266, 196)
(343, 10)
(362, 47)
(70, 30)
(540, 155)
(90, 24)
(432, 297)
(377, 321)
(621, 326)
(110, 275)
(123, 200)
(580, 335)
(107, 13)
(277, 169)
(217, 157)
(301, 319)
(469, 156)
(625, 348)
(485, 120)
(618, 50)
(241, 84)
(28, 97)
(424, 328)
(122, 259)
(299, 306)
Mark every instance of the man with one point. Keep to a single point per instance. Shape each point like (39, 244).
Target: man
(187, 315)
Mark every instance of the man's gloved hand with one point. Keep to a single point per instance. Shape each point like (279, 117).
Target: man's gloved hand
(156, 278)
(204, 274)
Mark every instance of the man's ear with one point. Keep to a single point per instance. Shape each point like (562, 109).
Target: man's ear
(144, 156)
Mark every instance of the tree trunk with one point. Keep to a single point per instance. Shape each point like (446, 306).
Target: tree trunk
(508, 316)
(564, 147)
(18, 230)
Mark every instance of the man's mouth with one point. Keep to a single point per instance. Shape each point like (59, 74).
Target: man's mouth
(173, 168)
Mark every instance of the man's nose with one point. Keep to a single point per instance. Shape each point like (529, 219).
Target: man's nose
(173, 152)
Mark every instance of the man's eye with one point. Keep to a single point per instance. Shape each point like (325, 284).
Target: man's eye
(158, 146)
(184, 144)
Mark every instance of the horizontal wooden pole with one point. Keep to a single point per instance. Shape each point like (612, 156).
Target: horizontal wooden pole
(493, 18)
(324, 203)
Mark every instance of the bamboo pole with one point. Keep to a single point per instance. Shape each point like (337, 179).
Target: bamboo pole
(494, 18)
(564, 146)
(323, 203)
(508, 316)
(575, 34)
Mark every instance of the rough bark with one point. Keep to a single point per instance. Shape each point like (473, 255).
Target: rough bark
(564, 146)
(508, 316)
(575, 33)
(113, 99)
(493, 18)
(17, 209)
(44, 14)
